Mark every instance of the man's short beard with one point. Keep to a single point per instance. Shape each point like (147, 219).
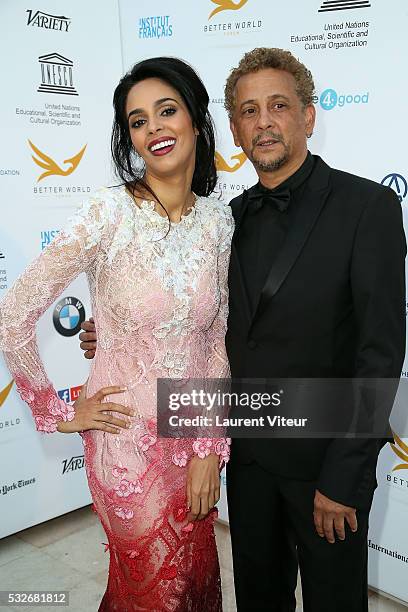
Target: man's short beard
(271, 166)
(274, 164)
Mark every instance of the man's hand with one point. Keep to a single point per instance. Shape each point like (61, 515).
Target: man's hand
(88, 338)
(328, 514)
(91, 413)
(203, 486)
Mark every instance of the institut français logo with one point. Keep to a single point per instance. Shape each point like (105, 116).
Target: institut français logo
(51, 167)
(56, 75)
(39, 19)
(235, 163)
(226, 5)
(343, 5)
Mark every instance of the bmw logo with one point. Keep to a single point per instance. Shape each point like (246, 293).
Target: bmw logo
(68, 315)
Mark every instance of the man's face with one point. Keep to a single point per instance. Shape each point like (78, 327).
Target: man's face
(269, 121)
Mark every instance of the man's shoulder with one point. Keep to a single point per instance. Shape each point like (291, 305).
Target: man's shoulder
(354, 185)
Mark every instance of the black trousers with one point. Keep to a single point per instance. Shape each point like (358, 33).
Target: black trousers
(273, 533)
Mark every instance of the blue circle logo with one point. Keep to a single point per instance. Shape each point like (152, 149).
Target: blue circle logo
(68, 315)
(328, 99)
(398, 183)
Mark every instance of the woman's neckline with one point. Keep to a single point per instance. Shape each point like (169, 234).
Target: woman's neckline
(150, 206)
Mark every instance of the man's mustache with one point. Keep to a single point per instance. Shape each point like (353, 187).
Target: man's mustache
(271, 135)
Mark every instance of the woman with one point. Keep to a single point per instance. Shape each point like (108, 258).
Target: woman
(156, 253)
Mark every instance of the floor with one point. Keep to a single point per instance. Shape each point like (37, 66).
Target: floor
(67, 553)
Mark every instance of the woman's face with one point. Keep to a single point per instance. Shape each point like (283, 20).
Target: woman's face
(160, 128)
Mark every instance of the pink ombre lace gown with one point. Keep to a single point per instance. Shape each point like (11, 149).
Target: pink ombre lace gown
(160, 308)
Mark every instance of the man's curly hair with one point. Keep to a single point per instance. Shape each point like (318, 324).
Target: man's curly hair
(264, 57)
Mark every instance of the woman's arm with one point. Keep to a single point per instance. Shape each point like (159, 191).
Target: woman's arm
(71, 253)
(203, 482)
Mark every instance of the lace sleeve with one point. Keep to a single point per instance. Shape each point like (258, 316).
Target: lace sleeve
(71, 253)
(218, 365)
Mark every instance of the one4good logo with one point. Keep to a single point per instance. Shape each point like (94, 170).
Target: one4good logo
(56, 75)
(68, 315)
(401, 450)
(5, 393)
(237, 160)
(398, 183)
(329, 99)
(48, 22)
(343, 5)
(51, 167)
(226, 5)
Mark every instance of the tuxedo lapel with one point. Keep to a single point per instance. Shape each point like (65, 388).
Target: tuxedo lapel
(313, 200)
(236, 279)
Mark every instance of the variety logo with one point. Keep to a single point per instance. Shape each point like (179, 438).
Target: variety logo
(51, 167)
(47, 236)
(48, 22)
(56, 75)
(329, 99)
(343, 5)
(401, 450)
(75, 463)
(68, 315)
(223, 166)
(70, 395)
(155, 27)
(226, 5)
(398, 183)
(5, 393)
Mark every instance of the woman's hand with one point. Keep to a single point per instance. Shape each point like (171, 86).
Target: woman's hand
(90, 413)
(88, 338)
(203, 486)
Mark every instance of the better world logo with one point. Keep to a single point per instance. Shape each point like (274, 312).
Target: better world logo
(223, 166)
(226, 5)
(50, 165)
(401, 450)
(5, 392)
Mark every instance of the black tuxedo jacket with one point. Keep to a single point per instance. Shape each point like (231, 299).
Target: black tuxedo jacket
(332, 306)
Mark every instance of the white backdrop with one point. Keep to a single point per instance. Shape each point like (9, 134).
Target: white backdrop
(354, 51)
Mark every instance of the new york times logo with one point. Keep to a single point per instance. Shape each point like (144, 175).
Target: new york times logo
(38, 19)
(155, 27)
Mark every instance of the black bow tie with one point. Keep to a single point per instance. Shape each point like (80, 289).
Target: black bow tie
(278, 198)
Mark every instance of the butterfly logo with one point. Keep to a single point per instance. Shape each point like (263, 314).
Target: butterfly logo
(51, 167)
(5, 392)
(223, 166)
(401, 450)
(226, 5)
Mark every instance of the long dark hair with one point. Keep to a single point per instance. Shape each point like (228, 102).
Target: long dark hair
(179, 75)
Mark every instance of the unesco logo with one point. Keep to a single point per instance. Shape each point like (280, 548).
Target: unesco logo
(343, 5)
(329, 99)
(398, 183)
(68, 315)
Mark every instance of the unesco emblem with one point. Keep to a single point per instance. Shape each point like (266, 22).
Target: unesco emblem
(398, 183)
(68, 315)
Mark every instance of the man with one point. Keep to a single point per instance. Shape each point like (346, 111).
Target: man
(317, 290)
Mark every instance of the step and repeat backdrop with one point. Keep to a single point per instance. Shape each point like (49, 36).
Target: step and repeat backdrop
(58, 83)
